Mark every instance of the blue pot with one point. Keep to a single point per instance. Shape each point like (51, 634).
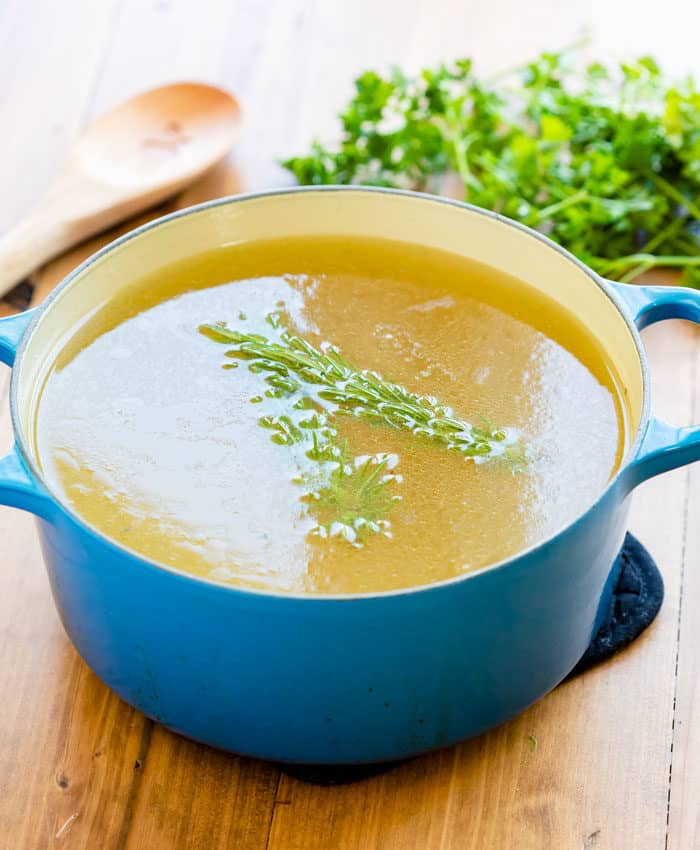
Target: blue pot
(340, 679)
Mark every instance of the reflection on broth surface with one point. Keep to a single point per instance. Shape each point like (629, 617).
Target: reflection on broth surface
(149, 439)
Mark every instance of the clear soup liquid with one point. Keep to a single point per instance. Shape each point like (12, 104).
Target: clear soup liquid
(144, 434)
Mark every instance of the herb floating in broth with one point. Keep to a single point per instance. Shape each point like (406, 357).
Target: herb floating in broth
(350, 495)
(295, 366)
(355, 498)
(606, 162)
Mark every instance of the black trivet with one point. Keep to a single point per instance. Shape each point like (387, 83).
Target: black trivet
(635, 602)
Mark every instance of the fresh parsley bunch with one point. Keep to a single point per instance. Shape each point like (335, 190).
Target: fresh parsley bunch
(605, 161)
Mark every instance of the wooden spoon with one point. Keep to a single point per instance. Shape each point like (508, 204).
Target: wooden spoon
(131, 158)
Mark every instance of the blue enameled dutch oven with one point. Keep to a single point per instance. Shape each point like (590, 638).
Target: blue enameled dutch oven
(338, 679)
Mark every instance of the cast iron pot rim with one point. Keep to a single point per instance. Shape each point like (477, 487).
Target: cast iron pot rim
(423, 197)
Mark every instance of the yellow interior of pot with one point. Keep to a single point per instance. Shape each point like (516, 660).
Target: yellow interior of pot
(407, 218)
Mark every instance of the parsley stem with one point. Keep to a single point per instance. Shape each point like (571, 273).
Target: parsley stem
(552, 209)
(688, 244)
(634, 272)
(673, 193)
(605, 266)
(460, 147)
(664, 234)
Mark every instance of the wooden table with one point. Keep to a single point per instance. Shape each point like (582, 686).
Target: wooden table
(617, 759)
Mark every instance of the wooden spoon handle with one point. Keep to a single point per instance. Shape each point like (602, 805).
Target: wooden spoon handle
(29, 244)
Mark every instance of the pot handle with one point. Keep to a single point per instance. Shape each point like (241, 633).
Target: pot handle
(663, 447)
(18, 487)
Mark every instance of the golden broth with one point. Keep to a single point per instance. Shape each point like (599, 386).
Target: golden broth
(144, 434)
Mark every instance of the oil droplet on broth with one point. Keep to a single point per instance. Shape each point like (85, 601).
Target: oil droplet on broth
(163, 450)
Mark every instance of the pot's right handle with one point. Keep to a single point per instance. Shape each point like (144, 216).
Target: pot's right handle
(663, 446)
(18, 487)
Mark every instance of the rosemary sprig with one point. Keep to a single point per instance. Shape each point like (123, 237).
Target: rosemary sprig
(290, 363)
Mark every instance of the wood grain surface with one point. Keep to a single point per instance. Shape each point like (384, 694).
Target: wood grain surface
(609, 761)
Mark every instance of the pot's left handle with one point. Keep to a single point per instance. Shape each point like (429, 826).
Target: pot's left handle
(18, 487)
(664, 446)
